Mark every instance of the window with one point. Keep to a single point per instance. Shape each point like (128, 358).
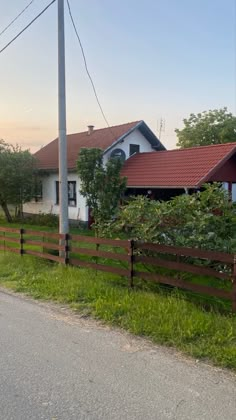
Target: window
(134, 148)
(72, 193)
(72, 199)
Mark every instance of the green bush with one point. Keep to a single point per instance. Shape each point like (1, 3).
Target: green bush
(41, 219)
(204, 220)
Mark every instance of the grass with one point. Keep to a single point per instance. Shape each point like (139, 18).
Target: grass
(204, 300)
(164, 317)
(17, 225)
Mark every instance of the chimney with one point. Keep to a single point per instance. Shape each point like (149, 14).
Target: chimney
(90, 129)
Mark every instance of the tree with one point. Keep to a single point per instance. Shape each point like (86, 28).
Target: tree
(101, 185)
(17, 169)
(208, 127)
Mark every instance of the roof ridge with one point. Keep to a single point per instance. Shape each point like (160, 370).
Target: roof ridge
(192, 148)
(106, 128)
(204, 147)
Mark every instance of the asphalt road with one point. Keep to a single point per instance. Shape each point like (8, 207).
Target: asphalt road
(55, 366)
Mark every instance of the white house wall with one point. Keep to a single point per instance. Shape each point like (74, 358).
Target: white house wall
(80, 212)
(133, 138)
(48, 204)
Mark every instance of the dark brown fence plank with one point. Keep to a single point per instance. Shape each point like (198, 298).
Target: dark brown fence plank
(184, 285)
(48, 245)
(9, 239)
(104, 254)
(10, 230)
(107, 268)
(103, 241)
(9, 249)
(190, 268)
(188, 252)
(43, 255)
(44, 234)
(127, 257)
(131, 264)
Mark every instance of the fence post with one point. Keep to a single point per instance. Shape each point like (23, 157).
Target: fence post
(131, 263)
(67, 248)
(96, 258)
(4, 242)
(234, 286)
(21, 241)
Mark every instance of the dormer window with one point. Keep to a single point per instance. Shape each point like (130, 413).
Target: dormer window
(134, 148)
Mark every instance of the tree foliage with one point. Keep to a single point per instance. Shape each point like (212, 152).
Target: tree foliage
(101, 185)
(204, 220)
(208, 127)
(17, 168)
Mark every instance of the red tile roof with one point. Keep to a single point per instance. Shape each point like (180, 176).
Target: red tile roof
(176, 168)
(47, 157)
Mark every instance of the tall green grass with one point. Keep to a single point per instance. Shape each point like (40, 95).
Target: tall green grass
(73, 229)
(165, 318)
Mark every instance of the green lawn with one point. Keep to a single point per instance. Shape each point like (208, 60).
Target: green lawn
(204, 300)
(164, 317)
(17, 225)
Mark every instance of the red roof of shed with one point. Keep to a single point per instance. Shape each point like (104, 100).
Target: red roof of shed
(47, 157)
(176, 168)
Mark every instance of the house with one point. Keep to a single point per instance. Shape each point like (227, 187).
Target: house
(150, 169)
(118, 141)
(169, 173)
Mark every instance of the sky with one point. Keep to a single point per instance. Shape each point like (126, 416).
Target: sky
(149, 59)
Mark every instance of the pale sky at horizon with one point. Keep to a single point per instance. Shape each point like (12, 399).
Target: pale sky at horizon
(149, 59)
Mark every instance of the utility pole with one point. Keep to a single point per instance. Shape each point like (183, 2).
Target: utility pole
(62, 140)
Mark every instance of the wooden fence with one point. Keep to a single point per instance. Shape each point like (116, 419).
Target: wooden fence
(132, 259)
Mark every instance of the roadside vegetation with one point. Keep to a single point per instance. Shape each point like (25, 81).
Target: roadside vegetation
(164, 316)
(205, 220)
(18, 179)
(46, 223)
(102, 186)
(199, 326)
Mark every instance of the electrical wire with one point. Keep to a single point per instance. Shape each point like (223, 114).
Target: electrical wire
(17, 17)
(80, 43)
(87, 70)
(26, 27)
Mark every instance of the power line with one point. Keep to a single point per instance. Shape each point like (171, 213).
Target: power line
(26, 27)
(86, 68)
(17, 17)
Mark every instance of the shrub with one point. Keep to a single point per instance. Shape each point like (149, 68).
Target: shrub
(41, 219)
(205, 220)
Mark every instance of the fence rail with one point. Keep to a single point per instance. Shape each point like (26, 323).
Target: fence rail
(132, 259)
